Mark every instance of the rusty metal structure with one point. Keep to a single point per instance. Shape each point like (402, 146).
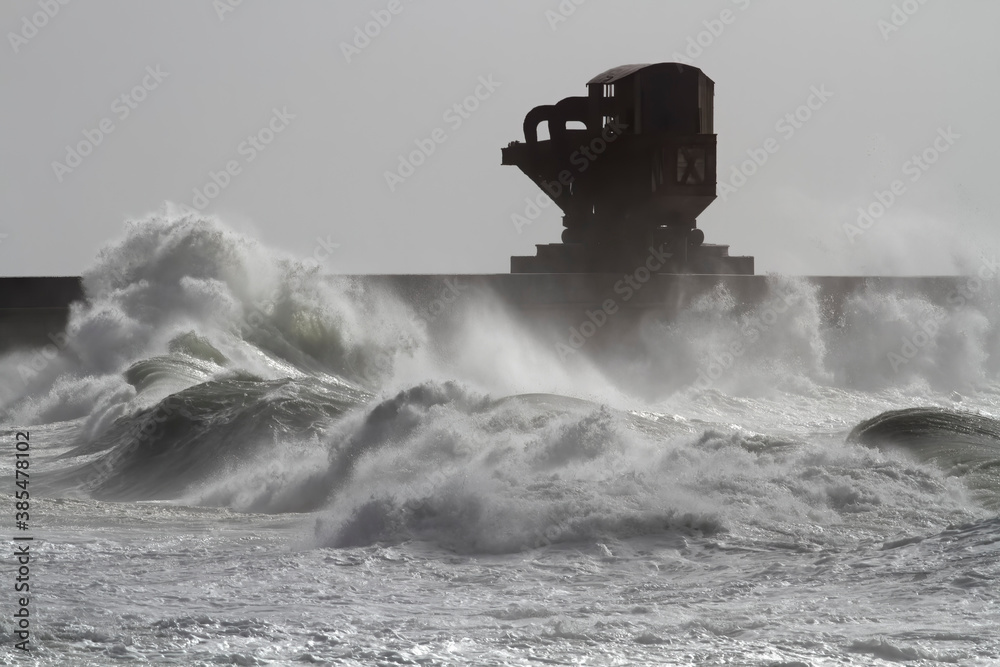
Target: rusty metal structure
(631, 165)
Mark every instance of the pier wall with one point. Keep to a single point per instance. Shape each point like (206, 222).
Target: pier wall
(32, 310)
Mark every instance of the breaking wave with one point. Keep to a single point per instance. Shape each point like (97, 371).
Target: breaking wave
(963, 444)
(206, 369)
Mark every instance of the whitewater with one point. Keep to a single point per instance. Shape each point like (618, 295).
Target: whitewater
(239, 457)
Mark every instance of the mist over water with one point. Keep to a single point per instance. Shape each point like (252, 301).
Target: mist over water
(209, 373)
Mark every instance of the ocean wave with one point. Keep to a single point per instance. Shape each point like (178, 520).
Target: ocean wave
(188, 298)
(207, 369)
(198, 434)
(477, 475)
(445, 464)
(963, 444)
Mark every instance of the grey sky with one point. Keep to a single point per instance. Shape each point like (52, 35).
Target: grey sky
(222, 75)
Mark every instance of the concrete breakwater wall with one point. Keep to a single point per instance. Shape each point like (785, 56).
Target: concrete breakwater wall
(32, 310)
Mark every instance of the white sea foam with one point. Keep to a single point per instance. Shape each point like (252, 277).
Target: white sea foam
(242, 460)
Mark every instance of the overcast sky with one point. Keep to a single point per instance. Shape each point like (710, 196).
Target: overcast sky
(201, 78)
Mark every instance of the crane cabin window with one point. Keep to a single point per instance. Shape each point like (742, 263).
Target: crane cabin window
(691, 165)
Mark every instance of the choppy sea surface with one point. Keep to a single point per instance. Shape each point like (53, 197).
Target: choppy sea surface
(237, 460)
